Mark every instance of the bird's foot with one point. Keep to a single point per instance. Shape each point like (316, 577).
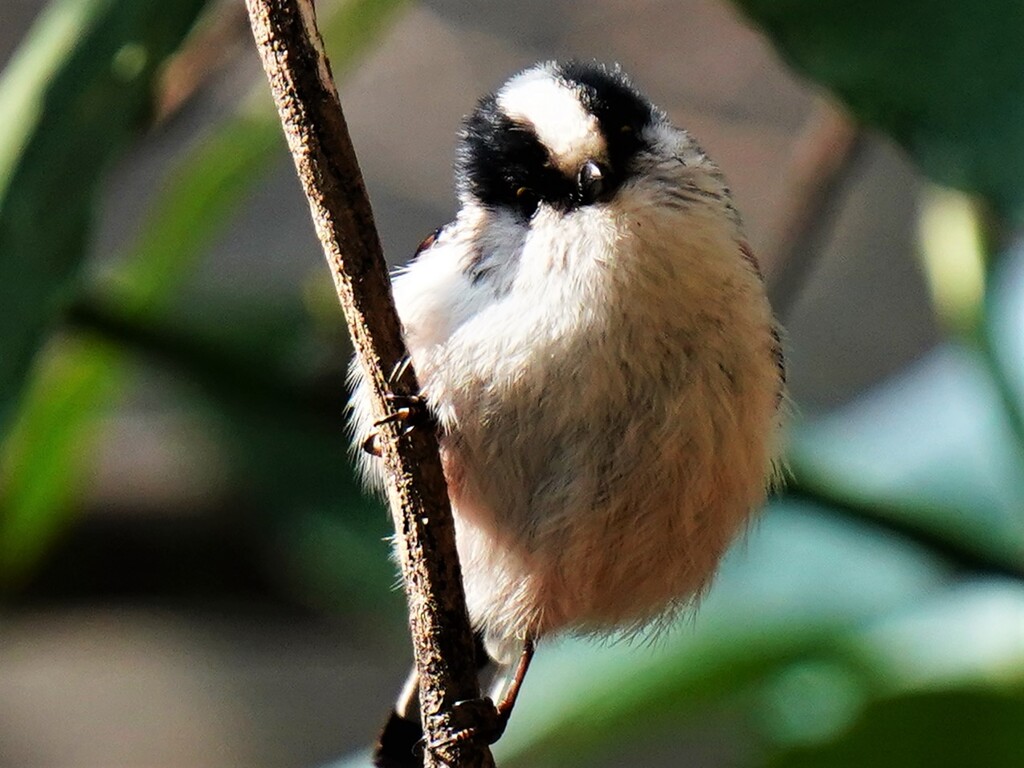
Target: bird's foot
(480, 720)
(409, 410)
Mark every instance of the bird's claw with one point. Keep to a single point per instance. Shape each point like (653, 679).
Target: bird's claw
(482, 720)
(409, 410)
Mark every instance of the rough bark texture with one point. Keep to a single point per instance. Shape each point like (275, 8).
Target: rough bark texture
(300, 78)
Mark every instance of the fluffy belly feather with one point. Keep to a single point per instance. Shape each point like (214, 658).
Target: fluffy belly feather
(595, 508)
(602, 446)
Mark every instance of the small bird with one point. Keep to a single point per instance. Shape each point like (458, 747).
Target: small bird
(596, 350)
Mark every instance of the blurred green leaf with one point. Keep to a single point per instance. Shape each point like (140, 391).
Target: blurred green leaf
(943, 77)
(835, 618)
(951, 250)
(47, 451)
(931, 447)
(968, 634)
(967, 287)
(1004, 317)
(76, 93)
(797, 583)
(41, 473)
(281, 422)
(973, 726)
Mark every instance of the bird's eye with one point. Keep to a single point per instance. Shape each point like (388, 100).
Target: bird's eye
(527, 201)
(591, 182)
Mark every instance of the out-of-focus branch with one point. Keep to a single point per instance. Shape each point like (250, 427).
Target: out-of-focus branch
(954, 550)
(817, 179)
(300, 78)
(220, 34)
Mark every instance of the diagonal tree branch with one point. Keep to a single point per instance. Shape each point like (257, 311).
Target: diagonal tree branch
(314, 124)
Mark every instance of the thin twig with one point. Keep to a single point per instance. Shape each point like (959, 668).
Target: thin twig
(818, 177)
(952, 549)
(220, 34)
(307, 100)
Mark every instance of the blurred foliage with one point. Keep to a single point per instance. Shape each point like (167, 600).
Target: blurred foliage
(80, 88)
(970, 726)
(875, 615)
(942, 77)
(951, 471)
(45, 454)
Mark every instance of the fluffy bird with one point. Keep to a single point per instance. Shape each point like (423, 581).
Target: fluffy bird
(595, 347)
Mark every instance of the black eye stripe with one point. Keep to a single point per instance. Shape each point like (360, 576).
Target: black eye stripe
(608, 95)
(498, 157)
